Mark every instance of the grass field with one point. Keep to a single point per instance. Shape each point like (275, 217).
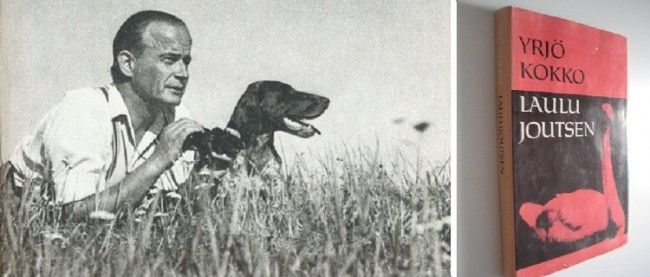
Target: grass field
(349, 214)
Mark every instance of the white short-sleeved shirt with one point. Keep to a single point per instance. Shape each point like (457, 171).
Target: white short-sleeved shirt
(86, 144)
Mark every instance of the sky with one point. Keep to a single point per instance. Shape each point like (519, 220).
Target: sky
(385, 65)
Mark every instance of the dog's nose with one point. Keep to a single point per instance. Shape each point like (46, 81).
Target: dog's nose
(325, 101)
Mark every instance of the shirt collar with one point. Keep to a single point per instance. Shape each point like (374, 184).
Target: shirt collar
(117, 108)
(116, 103)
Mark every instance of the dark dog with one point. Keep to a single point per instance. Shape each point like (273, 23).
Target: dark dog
(265, 107)
(270, 106)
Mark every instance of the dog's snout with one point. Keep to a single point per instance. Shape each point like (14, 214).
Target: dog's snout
(325, 101)
(320, 102)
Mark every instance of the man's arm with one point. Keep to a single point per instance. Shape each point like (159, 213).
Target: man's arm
(131, 190)
(137, 183)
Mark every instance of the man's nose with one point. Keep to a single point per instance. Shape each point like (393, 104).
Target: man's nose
(182, 71)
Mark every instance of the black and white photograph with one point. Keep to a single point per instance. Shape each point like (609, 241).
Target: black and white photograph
(226, 138)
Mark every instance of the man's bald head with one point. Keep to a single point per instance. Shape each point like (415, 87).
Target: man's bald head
(130, 37)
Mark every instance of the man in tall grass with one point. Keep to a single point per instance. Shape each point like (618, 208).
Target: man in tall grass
(104, 147)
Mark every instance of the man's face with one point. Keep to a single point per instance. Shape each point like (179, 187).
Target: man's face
(160, 72)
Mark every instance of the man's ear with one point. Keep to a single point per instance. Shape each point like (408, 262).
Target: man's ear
(125, 60)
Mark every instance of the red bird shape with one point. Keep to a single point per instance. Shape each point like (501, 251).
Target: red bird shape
(573, 216)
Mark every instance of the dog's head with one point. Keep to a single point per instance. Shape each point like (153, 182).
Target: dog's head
(215, 148)
(269, 106)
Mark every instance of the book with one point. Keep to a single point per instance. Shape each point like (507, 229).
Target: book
(561, 109)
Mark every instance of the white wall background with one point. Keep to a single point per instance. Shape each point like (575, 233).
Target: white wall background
(479, 248)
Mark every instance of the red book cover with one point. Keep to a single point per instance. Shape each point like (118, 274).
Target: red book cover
(561, 103)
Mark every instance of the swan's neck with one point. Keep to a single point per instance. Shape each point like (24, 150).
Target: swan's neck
(609, 184)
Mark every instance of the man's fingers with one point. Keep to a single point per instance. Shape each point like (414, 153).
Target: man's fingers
(176, 125)
(180, 123)
(172, 137)
(188, 129)
(185, 123)
(178, 130)
(170, 140)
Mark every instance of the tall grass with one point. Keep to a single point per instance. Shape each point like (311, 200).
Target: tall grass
(349, 215)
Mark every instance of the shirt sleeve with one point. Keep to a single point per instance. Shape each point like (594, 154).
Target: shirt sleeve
(28, 159)
(78, 142)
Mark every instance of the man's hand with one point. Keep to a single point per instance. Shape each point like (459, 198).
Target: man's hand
(170, 142)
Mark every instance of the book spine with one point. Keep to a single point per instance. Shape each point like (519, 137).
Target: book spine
(503, 34)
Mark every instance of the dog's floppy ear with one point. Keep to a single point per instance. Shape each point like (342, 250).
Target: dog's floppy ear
(247, 116)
